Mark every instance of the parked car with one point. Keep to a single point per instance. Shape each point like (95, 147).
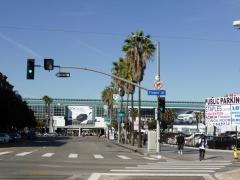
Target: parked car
(4, 137)
(225, 142)
(14, 136)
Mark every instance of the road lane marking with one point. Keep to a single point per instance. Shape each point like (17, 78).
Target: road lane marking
(170, 167)
(162, 170)
(96, 176)
(5, 152)
(123, 157)
(48, 154)
(73, 155)
(98, 156)
(150, 158)
(24, 153)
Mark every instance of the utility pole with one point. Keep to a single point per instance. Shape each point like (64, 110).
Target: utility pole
(158, 111)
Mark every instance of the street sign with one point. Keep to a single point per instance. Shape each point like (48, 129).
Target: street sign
(63, 74)
(121, 114)
(157, 92)
(158, 84)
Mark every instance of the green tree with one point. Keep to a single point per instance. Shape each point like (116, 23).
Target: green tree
(138, 48)
(199, 116)
(48, 101)
(168, 118)
(107, 98)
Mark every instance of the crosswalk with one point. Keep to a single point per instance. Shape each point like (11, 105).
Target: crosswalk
(170, 168)
(70, 155)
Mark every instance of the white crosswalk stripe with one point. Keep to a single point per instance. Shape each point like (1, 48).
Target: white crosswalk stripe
(73, 156)
(5, 152)
(48, 155)
(150, 158)
(123, 157)
(98, 156)
(175, 167)
(24, 153)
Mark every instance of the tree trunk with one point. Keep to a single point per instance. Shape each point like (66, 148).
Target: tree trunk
(126, 121)
(50, 119)
(132, 124)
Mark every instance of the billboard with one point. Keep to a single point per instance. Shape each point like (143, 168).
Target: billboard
(222, 111)
(80, 115)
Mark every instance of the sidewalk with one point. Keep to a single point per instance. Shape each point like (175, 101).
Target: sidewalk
(227, 175)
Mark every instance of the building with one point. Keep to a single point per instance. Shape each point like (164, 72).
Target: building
(77, 112)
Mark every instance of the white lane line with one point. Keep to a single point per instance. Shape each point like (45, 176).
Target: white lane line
(96, 176)
(163, 170)
(98, 156)
(167, 166)
(5, 152)
(73, 155)
(150, 158)
(24, 153)
(159, 168)
(48, 154)
(123, 157)
(190, 164)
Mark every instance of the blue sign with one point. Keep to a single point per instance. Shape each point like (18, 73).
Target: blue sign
(157, 92)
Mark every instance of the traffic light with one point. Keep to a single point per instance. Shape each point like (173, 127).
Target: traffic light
(30, 68)
(48, 64)
(161, 104)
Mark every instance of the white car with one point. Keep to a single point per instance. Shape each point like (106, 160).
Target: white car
(188, 116)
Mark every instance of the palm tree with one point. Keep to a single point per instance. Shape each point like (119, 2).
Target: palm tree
(123, 69)
(107, 98)
(48, 101)
(199, 117)
(138, 48)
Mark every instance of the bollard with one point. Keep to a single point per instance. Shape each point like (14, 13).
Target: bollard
(235, 153)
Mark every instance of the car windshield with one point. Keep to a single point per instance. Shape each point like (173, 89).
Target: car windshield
(189, 112)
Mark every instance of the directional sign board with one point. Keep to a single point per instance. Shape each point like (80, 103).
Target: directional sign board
(157, 92)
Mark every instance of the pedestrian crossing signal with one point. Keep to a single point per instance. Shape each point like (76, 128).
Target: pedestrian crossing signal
(161, 104)
(30, 68)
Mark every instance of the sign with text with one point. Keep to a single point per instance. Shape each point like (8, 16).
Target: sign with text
(157, 92)
(222, 111)
(217, 115)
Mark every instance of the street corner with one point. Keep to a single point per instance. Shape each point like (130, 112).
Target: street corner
(228, 175)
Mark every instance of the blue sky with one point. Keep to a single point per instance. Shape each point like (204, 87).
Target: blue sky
(199, 48)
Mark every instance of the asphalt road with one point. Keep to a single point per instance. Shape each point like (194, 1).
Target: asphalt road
(91, 158)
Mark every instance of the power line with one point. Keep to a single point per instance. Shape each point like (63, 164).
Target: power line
(113, 34)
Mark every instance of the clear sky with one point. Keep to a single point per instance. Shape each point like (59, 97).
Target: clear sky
(200, 49)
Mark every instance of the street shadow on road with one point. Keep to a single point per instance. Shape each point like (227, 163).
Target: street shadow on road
(213, 157)
(38, 142)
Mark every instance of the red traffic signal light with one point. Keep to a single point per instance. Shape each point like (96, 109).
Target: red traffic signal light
(30, 68)
(161, 104)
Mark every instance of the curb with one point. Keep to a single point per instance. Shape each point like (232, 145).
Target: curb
(134, 149)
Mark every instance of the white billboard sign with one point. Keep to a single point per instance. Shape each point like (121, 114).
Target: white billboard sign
(222, 111)
(81, 114)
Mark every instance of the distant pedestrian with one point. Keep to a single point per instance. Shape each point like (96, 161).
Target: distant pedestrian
(202, 146)
(144, 138)
(180, 143)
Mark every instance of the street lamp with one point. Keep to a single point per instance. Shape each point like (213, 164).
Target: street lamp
(236, 24)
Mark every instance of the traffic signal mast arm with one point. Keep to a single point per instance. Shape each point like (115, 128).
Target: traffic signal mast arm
(110, 75)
